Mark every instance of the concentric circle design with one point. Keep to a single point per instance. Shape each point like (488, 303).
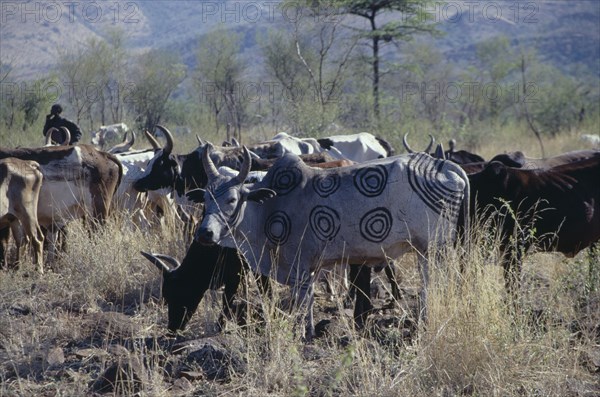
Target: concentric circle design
(277, 227)
(326, 185)
(371, 181)
(376, 224)
(285, 180)
(324, 222)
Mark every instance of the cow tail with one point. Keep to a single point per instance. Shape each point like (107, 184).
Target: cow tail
(115, 160)
(465, 222)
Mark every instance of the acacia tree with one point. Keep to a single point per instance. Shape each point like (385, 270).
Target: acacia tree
(388, 21)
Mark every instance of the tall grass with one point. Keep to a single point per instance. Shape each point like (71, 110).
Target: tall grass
(100, 307)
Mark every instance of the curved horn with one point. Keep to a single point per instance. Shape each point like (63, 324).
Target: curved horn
(49, 136)
(209, 166)
(162, 266)
(431, 143)
(235, 143)
(452, 145)
(200, 141)
(169, 145)
(153, 142)
(405, 143)
(124, 146)
(67, 133)
(245, 168)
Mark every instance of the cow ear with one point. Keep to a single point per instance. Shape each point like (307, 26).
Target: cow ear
(260, 195)
(196, 195)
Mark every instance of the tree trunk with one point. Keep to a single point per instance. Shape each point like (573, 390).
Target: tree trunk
(376, 110)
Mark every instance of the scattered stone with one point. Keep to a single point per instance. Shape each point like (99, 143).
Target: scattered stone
(216, 362)
(191, 375)
(83, 354)
(55, 356)
(182, 385)
(119, 378)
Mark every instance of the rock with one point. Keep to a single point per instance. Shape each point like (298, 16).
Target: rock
(182, 385)
(82, 354)
(191, 375)
(216, 362)
(55, 356)
(119, 378)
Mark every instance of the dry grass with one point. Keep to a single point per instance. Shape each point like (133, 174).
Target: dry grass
(100, 306)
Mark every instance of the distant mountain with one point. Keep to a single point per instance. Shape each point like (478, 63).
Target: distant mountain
(31, 32)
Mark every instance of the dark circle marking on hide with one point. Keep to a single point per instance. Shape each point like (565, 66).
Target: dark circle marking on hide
(285, 180)
(371, 181)
(326, 185)
(324, 222)
(277, 227)
(376, 224)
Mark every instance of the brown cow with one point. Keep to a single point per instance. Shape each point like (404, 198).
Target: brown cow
(79, 181)
(20, 183)
(559, 207)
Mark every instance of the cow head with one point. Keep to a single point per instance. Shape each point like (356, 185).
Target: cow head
(181, 302)
(162, 170)
(225, 199)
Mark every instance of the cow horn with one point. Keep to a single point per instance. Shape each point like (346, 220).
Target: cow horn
(246, 165)
(405, 143)
(200, 141)
(162, 266)
(49, 136)
(169, 145)
(235, 143)
(431, 143)
(439, 152)
(67, 133)
(451, 145)
(125, 145)
(209, 166)
(153, 142)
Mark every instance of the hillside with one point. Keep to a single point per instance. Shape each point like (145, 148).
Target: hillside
(31, 35)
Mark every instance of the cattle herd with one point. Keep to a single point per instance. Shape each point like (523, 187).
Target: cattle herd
(288, 208)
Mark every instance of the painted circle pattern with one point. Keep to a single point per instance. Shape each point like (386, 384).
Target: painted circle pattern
(277, 227)
(324, 222)
(285, 180)
(371, 181)
(326, 185)
(376, 224)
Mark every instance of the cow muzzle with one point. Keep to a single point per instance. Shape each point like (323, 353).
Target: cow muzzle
(205, 236)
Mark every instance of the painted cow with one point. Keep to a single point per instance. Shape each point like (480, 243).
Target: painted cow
(20, 183)
(299, 219)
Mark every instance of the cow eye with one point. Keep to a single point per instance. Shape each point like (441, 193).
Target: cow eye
(231, 200)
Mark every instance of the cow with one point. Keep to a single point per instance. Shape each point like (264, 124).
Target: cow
(557, 209)
(519, 160)
(458, 157)
(461, 156)
(202, 268)
(359, 147)
(107, 133)
(78, 181)
(364, 214)
(20, 183)
(355, 147)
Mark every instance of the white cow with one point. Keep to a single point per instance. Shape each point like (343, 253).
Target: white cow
(299, 219)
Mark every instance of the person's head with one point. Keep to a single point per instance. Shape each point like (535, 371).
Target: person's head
(56, 109)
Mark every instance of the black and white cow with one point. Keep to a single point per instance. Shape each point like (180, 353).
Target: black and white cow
(299, 219)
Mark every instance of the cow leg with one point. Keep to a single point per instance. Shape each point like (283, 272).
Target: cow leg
(360, 279)
(4, 237)
(31, 229)
(303, 297)
(423, 263)
(391, 276)
(20, 238)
